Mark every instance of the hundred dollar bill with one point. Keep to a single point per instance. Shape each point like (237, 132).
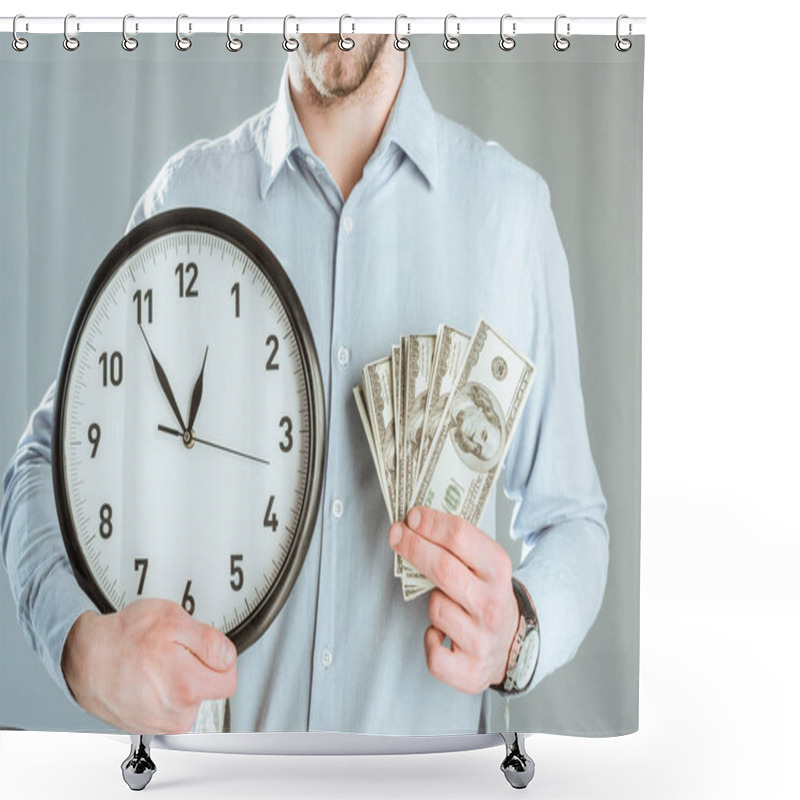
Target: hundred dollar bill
(451, 345)
(419, 360)
(398, 434)
(403, 479)
(377, 386)
(474, 433)
(358, 393)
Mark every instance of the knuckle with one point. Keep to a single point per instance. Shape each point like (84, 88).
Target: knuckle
(492, 614)
(185, 694)
(435, 608)
(208, 644)
(459, 535)
(444, 571)
(504, 566)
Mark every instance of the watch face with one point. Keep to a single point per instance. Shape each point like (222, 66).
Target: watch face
(190, 425)
(527, 659)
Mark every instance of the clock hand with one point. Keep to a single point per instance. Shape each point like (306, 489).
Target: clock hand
(197, 394)
(162, 379)
(193, 439)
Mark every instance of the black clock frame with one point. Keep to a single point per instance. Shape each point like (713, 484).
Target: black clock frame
(192, 219)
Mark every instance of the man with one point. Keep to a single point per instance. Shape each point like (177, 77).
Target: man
(389, 219)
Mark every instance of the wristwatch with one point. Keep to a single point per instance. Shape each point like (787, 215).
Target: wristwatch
(524, 653)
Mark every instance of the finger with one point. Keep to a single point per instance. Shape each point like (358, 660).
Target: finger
(450, 618)
(211, 646)
(195, 682)
(439, 565)
(470, 544)
(453, 667)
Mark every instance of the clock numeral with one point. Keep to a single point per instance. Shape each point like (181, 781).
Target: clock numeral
(188, 600)
(272, 341)
(106, 528)
(191, 271)
(286, 444)
(140, 562)
(238, 576)
(235, 293)
(270, 519)
(112, 368)
(148, 299)
(94, 437)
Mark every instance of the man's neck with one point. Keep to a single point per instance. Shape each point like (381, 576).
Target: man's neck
(344, 132)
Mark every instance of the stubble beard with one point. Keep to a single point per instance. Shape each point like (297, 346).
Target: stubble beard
(331, 73)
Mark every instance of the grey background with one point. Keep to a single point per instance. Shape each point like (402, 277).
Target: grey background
(81, 136)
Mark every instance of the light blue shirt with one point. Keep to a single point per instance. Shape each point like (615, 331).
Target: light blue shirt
(442, 227)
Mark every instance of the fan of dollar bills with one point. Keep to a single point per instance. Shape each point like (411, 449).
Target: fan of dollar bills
(439, 414)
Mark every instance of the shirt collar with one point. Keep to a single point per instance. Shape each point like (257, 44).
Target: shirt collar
(410, 125)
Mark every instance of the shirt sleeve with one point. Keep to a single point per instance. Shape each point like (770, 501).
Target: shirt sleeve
(48, 597)
(559, 507)
(44, 587)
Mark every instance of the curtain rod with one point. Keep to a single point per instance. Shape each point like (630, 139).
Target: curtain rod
(407, 26)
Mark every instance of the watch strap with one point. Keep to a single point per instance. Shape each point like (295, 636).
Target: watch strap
(528, 622)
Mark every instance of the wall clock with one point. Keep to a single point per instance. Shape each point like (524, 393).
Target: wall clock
(189, 425)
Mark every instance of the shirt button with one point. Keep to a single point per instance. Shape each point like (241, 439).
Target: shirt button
(310, 161)
(343, 356)
(347, 222)
(327, 657)
(337, 507)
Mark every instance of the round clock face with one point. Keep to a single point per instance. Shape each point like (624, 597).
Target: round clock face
(189, 426)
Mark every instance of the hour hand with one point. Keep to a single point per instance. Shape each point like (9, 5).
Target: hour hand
(163, 380)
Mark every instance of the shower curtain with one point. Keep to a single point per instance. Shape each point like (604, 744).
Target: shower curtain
(320, 385)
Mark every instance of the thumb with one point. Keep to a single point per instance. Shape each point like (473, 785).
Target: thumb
(211, 646)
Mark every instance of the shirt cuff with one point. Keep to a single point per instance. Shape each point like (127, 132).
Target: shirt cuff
(61, 591)
(565, 575)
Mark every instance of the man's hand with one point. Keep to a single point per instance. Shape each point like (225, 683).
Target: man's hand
(473, 603)
(146, 668)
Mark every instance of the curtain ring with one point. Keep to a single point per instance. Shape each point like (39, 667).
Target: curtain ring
(18, 43)
(290, 44)
(70, 42)
(183, 43)
(401, 42)
(345, 42)
(129, 43)
(561, 43)
(233, 44)
(622, 44)
(507, 42)
(451, 42)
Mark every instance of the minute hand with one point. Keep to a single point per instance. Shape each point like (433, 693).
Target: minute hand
(197, 394)
(162, 379)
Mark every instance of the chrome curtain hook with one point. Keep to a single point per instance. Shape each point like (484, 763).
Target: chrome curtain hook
(18, 43)
(70, 42)
(345, 42)
(622, 44)
(401, 42)
(233, 44)
(561, 43)
(181, 42)
(507, 42)
(129, 43)
(290, 44)
(451, 42)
